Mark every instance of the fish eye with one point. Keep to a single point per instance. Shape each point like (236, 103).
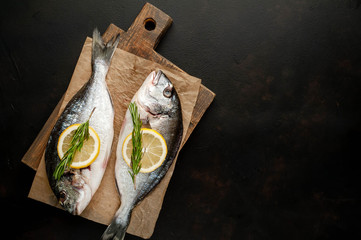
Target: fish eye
(62, 197)
(167, 92)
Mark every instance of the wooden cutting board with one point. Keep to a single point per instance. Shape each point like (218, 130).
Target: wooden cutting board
(141, 39)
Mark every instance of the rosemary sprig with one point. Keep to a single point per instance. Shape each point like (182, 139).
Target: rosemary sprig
(136, 141)
(81, 134)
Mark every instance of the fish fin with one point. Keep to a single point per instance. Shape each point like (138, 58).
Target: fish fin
(103, 51)
(117, 228)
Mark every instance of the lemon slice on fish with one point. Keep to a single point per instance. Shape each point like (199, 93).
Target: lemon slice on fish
(154, 150)
(89, 152)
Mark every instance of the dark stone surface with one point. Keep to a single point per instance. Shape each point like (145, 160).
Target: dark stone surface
(276, 155)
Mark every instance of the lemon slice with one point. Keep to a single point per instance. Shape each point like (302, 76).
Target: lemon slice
(154, 150)
(88, 153)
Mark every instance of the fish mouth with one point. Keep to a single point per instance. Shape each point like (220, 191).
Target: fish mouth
(85, 195)
(156, 76)
(148, 110)
(77, 209)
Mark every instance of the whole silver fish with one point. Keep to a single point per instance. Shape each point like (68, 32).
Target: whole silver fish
(159, 107)
(77, 186)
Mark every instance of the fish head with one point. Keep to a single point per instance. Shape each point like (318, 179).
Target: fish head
(67, 194)
(157, 95)
(73, 197)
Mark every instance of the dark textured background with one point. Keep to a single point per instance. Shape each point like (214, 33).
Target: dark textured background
(274, 157)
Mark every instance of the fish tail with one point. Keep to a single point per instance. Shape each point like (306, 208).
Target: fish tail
(103, 51)
(118, 227)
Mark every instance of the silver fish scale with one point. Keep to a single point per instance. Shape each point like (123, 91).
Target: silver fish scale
(76, 188)
(155, 112)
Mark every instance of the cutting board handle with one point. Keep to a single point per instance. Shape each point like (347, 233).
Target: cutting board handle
(132, 42)
(149, 27)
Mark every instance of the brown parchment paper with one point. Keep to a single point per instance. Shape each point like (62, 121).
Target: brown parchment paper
(126, 74)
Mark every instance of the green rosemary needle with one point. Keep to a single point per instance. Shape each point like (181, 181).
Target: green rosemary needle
(136, 142)
(81, 134)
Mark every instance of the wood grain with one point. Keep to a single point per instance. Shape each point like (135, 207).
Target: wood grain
(141, 42)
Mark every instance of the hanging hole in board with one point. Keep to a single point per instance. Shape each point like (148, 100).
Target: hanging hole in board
(149, 24)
